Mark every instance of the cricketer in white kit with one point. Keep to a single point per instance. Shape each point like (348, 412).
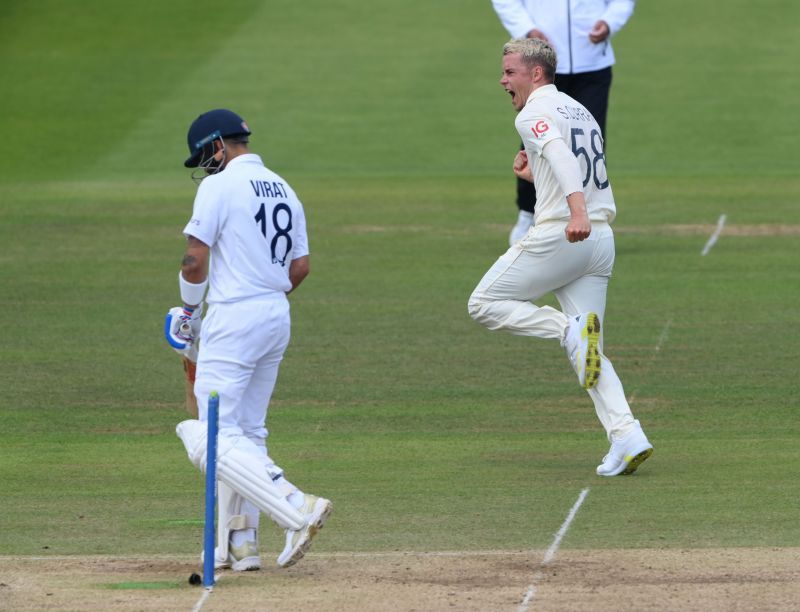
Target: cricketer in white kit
(247, 247)
(569, 250)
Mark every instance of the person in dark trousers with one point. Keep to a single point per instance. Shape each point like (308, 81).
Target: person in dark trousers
(580, 32)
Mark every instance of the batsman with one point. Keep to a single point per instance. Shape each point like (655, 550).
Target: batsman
(247, 249)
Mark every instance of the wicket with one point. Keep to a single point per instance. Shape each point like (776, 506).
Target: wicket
(209, 532)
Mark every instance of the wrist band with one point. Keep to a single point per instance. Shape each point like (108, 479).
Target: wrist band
(191, 294)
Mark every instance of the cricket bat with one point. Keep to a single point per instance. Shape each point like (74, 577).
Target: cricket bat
(189, 372)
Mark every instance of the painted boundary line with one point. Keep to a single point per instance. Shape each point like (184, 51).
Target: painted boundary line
(713, 240)
(530, 593)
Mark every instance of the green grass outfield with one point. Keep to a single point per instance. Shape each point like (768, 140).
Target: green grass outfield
(427, 431)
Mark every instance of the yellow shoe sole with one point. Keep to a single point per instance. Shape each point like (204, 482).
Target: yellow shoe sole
(636, 461)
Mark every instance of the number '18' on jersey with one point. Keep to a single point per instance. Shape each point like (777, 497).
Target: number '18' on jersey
(255, 226)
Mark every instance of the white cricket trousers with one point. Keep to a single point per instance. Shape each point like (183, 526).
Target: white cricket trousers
(577, 273)
(241, 349)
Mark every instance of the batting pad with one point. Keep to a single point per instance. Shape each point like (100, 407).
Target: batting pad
(241, 468)
(230, 517)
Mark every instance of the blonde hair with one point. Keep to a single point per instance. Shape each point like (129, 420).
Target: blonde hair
(534, 52)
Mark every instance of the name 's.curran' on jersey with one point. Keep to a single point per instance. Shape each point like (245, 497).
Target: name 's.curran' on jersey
(574, 112)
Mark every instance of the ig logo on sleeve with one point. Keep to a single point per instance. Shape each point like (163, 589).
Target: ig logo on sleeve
(540, 128)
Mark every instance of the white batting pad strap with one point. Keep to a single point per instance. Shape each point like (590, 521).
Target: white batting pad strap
(241, 521)
(242, 469)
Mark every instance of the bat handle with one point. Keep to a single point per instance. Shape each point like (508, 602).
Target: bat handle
(185, 330)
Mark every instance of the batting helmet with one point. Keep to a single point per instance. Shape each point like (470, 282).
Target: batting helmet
(218, 123)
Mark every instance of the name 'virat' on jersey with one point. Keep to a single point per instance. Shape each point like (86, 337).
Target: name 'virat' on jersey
(549, 114)
(255, 225)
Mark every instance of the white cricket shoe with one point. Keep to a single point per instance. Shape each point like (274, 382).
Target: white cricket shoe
(626, 454)
(581, 340)
(521, 227)
(316, 511)
(242, 558)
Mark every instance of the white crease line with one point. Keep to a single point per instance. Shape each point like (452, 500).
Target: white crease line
(659, 343)
(663, 337)
(315, 555)
(413, 553)
(199, 605)
(713, 240)
(206, 594)
(551, 552)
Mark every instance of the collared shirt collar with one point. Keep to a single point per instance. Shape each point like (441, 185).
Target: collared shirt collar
(542, 91)
(246, 158)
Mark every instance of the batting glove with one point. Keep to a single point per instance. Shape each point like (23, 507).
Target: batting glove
(182, 330)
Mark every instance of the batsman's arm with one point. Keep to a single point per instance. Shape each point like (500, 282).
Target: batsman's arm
(194, 272)
(193, 283)
(298, 270)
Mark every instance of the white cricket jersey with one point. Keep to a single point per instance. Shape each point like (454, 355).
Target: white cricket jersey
(550, 114)
(255, 226)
